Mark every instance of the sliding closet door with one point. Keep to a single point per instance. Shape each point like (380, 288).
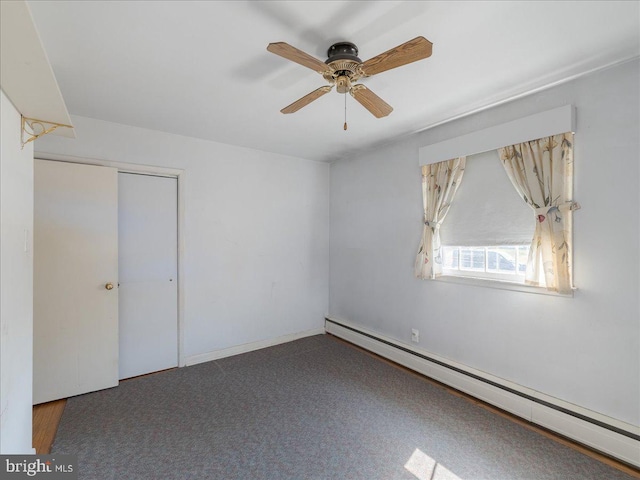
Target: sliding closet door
(75, 311)
(147, 262)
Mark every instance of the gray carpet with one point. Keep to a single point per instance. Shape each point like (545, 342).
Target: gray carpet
(310, 409)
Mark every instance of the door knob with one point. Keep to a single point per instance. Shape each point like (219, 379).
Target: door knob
(109, 286)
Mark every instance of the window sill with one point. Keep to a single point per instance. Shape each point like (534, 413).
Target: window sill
(501, 285)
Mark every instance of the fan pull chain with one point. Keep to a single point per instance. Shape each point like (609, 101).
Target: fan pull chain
(345, 111)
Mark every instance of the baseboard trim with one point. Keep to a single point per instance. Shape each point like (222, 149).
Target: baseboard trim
(607, 435)
(250, 347)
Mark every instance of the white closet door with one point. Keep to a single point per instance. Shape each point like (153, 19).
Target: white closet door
(75, 315)
(147, 259)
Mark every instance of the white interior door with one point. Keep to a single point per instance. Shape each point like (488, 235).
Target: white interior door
(75, 324)
(148, 293)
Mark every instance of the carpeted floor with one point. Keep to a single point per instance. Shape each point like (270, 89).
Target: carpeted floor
(310, 409)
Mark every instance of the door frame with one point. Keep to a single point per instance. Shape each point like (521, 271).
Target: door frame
(179, 175)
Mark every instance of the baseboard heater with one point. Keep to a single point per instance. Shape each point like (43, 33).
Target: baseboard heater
(609, 436)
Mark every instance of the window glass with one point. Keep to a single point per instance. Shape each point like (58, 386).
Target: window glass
(503, 262)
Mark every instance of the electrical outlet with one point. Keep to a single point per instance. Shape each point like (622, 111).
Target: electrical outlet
(415, 335)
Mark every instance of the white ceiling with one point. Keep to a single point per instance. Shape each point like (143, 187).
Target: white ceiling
(201, 68)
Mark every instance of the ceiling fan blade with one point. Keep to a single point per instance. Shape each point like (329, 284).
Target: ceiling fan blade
(292, 53)
(408, 52)
(369, 100)
(306, 100)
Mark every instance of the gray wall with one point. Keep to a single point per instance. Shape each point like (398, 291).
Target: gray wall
(585, 349)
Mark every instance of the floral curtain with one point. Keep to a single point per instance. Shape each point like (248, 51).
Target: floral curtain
(439, 184)
(542, 173)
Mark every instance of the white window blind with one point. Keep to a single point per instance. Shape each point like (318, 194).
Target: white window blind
(487, 210)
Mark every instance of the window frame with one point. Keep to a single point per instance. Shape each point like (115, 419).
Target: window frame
(499, 285)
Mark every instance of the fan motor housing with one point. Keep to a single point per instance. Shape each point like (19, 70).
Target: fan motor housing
(342, 51)
(345, 65)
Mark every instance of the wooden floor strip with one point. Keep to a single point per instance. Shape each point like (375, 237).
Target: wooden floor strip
(46, 418)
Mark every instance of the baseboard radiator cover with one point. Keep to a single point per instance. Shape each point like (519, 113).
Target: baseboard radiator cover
(609, 436)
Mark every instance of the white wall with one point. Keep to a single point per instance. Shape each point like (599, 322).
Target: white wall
(256, 239)
(585, 349)
(16, 284)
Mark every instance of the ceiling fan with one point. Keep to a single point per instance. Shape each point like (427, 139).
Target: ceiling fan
(343, 68)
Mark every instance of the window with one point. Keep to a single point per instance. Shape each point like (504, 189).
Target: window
(538, 163)
(488, 230)
(507, 263)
